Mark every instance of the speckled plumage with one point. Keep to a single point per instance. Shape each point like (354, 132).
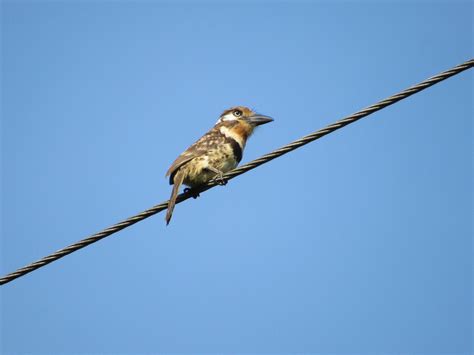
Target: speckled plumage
(214, 149)
(218, 151)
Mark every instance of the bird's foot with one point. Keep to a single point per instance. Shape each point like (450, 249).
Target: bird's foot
(194, 194)
(219, 177)
(220, 180)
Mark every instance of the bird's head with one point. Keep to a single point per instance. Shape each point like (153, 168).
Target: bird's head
(238, 123)
(243, 115)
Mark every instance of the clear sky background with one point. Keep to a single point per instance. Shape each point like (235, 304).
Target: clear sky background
(357, 243)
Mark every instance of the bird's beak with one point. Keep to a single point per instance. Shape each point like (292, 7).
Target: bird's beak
(258, 120)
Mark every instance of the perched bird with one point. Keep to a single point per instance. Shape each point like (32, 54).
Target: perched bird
(215, 153)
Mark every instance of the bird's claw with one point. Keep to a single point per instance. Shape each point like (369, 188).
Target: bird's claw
(194, 195)
(221, 181)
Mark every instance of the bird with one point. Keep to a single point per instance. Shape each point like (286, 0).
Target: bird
(215, 153)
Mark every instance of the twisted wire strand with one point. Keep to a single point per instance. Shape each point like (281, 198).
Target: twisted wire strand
(240, 170)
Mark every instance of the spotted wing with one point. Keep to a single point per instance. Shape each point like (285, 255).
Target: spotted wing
(199, 148)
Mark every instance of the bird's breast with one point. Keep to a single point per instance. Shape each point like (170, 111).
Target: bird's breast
(222, 158)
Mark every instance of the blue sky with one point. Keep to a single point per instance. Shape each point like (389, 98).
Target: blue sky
(358, 243)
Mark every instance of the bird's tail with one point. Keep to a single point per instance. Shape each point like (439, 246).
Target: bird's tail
(178, 180)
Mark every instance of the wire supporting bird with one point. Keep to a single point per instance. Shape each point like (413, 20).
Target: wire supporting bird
(215, 153)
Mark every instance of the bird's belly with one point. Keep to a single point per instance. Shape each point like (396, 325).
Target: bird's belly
(226, 165)
(198, 171)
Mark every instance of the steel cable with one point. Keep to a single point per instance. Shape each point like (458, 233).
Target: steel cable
(240, 170)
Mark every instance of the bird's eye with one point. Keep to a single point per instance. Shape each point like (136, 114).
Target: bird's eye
(237, 113)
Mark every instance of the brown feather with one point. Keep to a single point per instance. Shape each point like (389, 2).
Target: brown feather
(243, 129)
(178, 163)
(178, 180)
(199, 148)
